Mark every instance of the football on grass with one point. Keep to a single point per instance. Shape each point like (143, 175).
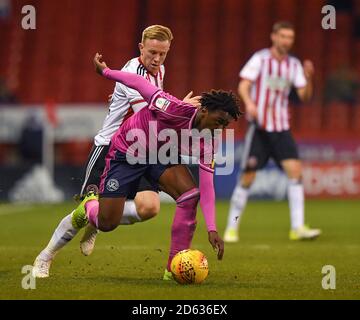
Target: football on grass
(189, 266)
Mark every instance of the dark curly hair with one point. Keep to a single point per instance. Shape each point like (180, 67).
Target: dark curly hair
(221, 100)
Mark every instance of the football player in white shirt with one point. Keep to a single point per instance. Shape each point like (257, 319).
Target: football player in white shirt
(265, 84)
(124, 102)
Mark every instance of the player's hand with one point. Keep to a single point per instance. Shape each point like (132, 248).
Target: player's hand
(217, 243)
(195, 101)
(308, 69)
(251, 111)
(110, 97)
(99, 66)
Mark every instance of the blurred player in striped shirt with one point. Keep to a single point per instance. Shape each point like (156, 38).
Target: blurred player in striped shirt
(266, 81)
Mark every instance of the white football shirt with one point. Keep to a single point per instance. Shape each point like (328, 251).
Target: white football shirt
(126, 101)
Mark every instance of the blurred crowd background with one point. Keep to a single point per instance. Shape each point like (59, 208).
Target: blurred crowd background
(50, 69)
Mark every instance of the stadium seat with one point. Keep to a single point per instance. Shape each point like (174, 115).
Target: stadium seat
(260, 23)
(309, 33)
(157, 12)
(355, 120)
(73, 152)
(50, 51)
(285, 10)
(205, 32)
(356, 54)
(336, 118)
(339, 43)
(233, 33)
(307, 119)
(179, 69)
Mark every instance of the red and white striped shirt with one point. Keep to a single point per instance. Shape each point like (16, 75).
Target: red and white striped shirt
(272, 81)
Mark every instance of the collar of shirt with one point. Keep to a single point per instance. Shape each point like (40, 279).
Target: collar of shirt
(153, 75)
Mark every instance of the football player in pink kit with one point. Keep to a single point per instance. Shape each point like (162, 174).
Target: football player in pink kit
(120, 177)
(154, 47)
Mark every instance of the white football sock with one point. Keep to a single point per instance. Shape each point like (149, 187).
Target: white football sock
(61, 236)
(296, 203)
(237, 205)
(130, 215)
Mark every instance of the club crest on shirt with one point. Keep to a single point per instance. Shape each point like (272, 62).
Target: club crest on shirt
(162, 103)
(112, 185)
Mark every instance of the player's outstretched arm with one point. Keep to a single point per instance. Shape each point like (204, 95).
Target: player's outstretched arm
(134, 81)
(207, 204)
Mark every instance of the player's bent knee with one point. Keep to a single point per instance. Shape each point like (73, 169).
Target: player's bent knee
(295, 172)
(107, 225)
(296, 176)
(148, 210)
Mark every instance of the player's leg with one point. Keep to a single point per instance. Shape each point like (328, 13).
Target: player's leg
(254, 157)
(178, 182)
(118, 181)
(66, 231)
(296, 198)
(238, 203)
(285, 153)
(146, 205)
(103, 213)
(63, 233)
(292, 168)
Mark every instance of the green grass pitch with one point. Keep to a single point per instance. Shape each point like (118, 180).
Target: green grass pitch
(128, 263)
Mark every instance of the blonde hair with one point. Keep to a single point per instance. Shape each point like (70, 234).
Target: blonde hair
(157, 32)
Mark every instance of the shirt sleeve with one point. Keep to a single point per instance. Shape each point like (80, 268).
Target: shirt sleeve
(252, 68)
(164, 103)
(134, 81)
(136, 101)
(299, 78)
(206, 183)
(207, 198)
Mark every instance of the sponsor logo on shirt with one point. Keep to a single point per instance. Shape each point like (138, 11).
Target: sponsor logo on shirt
(162, 103)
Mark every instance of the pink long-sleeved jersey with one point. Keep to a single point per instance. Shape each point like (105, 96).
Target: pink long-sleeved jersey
(166, 119)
